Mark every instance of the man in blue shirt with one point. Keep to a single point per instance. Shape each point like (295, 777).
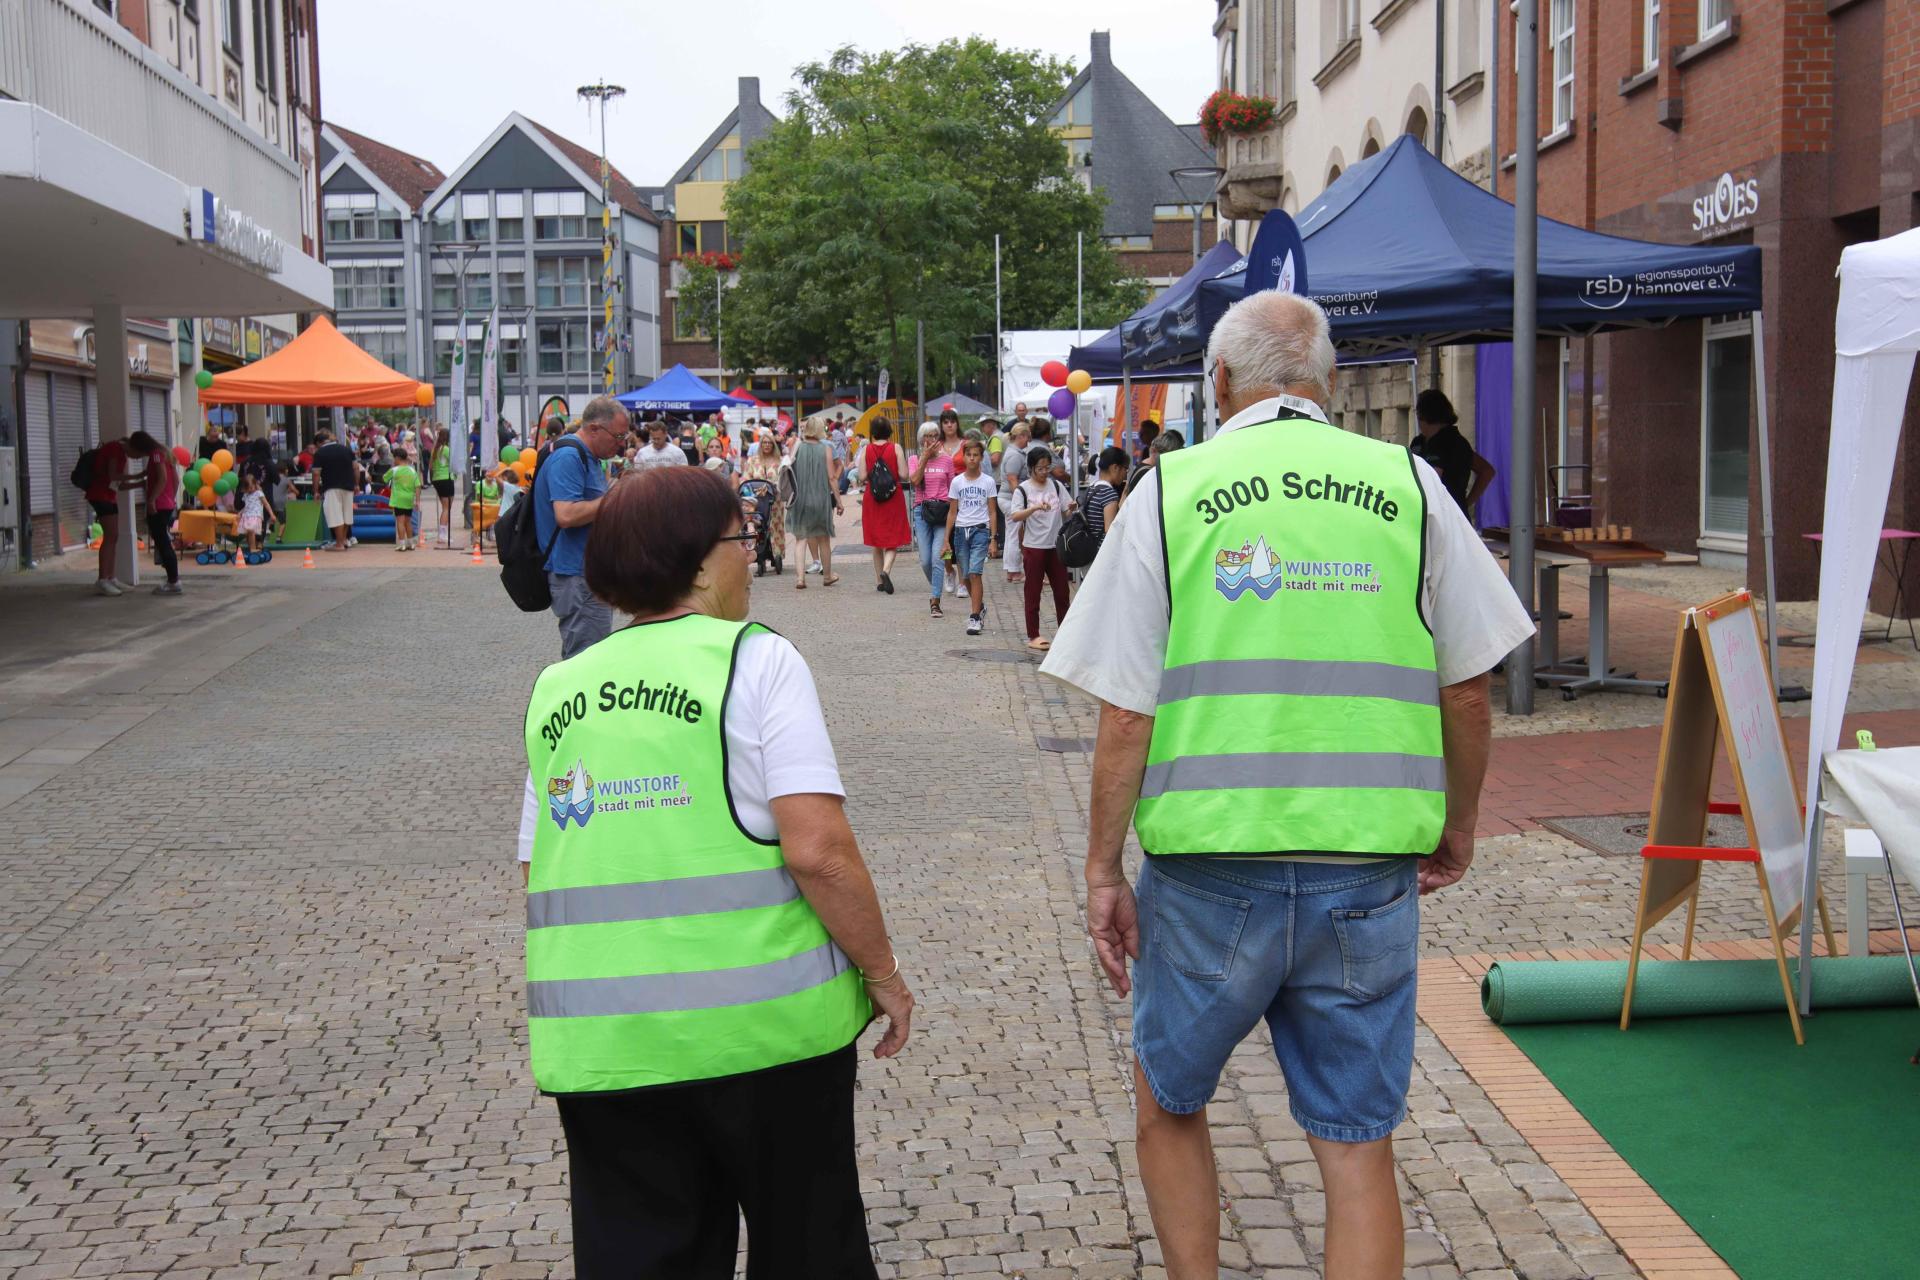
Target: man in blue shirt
(567, 493)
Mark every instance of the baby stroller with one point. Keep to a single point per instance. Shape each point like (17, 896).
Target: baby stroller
(756, 504)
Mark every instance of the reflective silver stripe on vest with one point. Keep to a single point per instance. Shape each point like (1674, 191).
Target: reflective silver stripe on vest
(1291, 770)
(658, 899)
(1298, 676)
(674, 992)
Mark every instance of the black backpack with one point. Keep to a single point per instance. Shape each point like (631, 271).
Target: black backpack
(516, 540)
(1078, 544)
(881, 482)
(81, 477)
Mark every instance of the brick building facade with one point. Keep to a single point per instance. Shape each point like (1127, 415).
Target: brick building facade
(1792, 125)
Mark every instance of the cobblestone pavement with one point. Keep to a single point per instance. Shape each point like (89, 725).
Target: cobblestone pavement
(262, 939)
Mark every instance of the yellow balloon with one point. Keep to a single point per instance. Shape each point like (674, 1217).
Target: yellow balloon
(1079, 382)
(223, 459)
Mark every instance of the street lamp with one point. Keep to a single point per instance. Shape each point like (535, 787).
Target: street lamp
(1211, 173)
(466, 249)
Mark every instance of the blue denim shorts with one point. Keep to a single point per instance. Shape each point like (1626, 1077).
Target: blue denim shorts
(970, 544)
(1325, 952)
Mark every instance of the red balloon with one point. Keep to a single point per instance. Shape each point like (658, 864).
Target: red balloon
(1054, 373)
(181, 455)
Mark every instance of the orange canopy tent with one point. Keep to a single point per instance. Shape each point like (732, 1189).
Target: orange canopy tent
(320, 367)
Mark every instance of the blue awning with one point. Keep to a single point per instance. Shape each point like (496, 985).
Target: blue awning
(1101, 357)
(1403, 252)
(679, 390)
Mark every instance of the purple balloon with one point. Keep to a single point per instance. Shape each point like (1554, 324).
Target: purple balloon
(1060, 403)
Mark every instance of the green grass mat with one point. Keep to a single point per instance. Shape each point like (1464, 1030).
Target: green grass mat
(1516, 991)
(1790, 1162)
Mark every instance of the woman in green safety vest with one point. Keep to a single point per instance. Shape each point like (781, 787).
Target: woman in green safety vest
(704, 943)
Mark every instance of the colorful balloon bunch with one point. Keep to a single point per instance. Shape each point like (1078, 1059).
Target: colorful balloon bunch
(211, 478)
(516, 463)
(1072, 385)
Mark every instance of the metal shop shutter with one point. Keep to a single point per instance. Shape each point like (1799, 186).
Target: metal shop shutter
(69, 442)
(39, 437)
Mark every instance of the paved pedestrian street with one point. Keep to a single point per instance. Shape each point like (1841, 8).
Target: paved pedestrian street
(262, 952)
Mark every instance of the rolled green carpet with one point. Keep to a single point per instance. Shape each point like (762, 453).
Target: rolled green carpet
(1522, 991)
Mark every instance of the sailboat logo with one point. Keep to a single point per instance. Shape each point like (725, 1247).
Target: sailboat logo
(1251, 568)
(570, 796)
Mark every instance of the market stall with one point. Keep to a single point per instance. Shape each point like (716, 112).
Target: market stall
(680, 391)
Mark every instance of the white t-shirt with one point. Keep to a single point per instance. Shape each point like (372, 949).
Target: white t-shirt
(973, 497)
(647, 456)
(1042, 529)
(1113, 644)
(777, 742)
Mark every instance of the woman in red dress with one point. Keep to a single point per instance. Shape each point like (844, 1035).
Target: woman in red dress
(883, 525)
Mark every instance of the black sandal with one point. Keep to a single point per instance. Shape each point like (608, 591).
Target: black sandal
(936, 610)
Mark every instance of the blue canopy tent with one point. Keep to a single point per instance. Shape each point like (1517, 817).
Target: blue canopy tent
(1101, 357)
(1406, 253)
(678, 390)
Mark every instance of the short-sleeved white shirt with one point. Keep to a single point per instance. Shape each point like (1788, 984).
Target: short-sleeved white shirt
(777, 742)
(1113, 643)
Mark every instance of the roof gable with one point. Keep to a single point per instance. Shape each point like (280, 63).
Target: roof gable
(685, 172)
(524, 153)
(396, 173)
(1135, 146)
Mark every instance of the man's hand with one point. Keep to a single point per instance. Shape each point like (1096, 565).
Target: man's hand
(1113, 922)
(895, 1003)
(1450, 860)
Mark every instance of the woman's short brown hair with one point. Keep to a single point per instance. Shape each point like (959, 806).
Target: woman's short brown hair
(651, 534)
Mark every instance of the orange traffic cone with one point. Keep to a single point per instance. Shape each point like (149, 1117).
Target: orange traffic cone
(240, 558)
(306, 561)
(477, 559)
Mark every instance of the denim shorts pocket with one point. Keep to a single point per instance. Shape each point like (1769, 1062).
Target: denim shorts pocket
(1378, 945)
(1195, 931)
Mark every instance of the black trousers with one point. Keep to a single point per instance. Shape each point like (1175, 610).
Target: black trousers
(160, 534)
(661, 1177)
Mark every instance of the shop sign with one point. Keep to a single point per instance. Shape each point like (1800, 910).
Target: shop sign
(272, 339)
(221, 334)
(253, 339)
(1727, 207)
(231, 233)
(76, 343)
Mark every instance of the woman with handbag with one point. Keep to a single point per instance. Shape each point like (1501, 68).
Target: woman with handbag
(932, 473)
(883, 524)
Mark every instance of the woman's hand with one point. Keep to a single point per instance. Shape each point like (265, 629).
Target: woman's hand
(895, 1003)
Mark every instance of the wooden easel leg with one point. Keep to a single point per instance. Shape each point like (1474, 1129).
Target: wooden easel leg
(1780, 956)
(1693, 902)
(1826, 924)
(1633, 956)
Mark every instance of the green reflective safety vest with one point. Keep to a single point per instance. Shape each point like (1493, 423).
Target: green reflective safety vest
(1299, 705)
(665, 943)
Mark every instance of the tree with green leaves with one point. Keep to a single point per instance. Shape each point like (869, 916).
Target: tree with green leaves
(873, 206)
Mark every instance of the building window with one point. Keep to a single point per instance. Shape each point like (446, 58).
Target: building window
(1079, 153)
(510, 217)
(1179, 212)
(1078, 110)
(446, 287)
(1263, 46)
(563, 347)
(479, 287)
(476, 219)
(367, 288)
(1726, 406)
(562, 282)
(359, 215)
(722, 164)
(561, 215)
(510, 356)
(446, 229)
(683, 326)
(230, 27)
(1560, 33)
(387, 346)
(1715, 15)
(513, 286)
(1289, 30)
(1650, 36)
(1229, 59)
(689, 238)
(443, 345)
(1129, 242)
(265, 66)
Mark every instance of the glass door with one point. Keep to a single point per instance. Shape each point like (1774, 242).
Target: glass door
(1726, 409)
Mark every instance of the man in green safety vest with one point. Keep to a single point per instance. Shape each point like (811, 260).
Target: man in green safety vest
(1289, 630)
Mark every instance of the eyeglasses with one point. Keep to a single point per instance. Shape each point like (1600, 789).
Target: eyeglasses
(745, 539)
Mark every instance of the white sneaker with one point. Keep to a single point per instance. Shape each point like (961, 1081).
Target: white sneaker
(107, 587)
(168, 589)
(814, 567)
(352, 541)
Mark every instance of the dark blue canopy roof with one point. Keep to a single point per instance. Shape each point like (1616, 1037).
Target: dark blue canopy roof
(1101, 357)
(679, 390)
(1405, 252)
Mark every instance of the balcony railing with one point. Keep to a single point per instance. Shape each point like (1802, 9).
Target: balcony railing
(1254, 174)
(79, 64)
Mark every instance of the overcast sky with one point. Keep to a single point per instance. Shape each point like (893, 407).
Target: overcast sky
(435, 79)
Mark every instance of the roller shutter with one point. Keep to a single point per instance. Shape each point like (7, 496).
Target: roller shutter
(39, 439)
(69, 441)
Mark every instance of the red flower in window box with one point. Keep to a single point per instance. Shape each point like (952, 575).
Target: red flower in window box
(1226, 112)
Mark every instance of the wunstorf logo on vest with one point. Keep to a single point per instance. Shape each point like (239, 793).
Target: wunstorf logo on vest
(570, 796)
(1253, 568)
(575, 796)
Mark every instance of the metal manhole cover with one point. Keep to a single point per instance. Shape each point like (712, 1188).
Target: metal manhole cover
(1620, 835)
(1065, 746)
(993, 655)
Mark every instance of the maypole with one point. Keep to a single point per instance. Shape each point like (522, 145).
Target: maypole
(603, 93)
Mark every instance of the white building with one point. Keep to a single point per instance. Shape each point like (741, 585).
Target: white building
(156, 163)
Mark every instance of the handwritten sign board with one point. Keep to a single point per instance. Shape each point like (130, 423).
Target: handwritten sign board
(1757, 743)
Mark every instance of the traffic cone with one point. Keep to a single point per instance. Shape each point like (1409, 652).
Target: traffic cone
(306, 561)
(476, 550)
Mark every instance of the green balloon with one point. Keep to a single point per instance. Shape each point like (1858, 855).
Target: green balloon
(509, 453)
(225, 484)
(203, 379)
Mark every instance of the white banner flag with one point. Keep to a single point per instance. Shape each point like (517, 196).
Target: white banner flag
(457, 397)
(490, 394)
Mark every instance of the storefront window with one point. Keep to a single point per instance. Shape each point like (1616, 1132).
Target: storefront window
(1726, 404)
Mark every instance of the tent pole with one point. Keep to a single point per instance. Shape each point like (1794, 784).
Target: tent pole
(1526, 257)
(1126, 407)
(1766, 492)
(999, 358)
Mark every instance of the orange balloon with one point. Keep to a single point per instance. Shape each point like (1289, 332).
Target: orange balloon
(206, 495)
(423, 394)
(223, 459)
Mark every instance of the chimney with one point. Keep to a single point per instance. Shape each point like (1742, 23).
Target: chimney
(1102, 47)
(749, 91)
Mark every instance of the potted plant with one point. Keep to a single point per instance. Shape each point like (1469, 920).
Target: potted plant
(1226, 112)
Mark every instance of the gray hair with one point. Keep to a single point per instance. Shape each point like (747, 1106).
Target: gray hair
(601, 409)
(928, 431)
(1273, 341)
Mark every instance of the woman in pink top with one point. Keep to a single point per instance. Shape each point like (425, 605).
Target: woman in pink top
(932, 472)
(161, 480)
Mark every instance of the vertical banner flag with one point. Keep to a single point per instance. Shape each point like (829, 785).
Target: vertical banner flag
(490, 394)
(881, 396)
(457, 396)
(609, 340)
(1278, 259)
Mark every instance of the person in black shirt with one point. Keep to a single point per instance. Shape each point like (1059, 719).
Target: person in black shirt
(339, 474)
(1465, 473)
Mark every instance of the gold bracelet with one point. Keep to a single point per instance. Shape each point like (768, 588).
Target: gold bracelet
(874, 982)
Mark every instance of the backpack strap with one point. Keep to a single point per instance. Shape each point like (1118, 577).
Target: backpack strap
(579, 444)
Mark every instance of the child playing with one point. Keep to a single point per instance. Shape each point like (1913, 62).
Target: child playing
(403, 489)
(970, 526)
(255, 512)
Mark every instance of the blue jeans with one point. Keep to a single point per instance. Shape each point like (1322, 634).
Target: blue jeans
(1325, 952)
(970, 543)
(930, 542)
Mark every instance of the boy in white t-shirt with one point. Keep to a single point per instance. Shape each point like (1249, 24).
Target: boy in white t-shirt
(970, 526)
